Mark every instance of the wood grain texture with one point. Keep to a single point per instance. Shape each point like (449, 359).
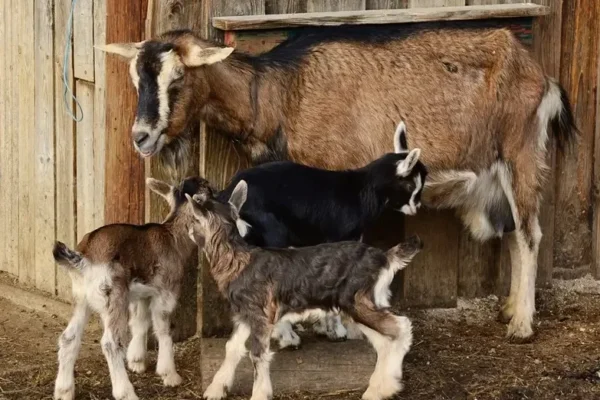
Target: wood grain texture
(24, 97)
(596, 194)
(421, 14)
(166, 15)
(124, 176)
(386, 4)
(99, 112)
(83, 40)
(579, 75)
(435, 3)
(335, 5)
(547, 50)
(86, 182)
(44, 185)
(66, 216)
(285, 6)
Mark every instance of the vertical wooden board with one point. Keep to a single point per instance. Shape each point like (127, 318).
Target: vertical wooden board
(386, 4)
(26, 132)
(490, 2)
(4, 141)
(596, 193)
(86, 211)
(83, 40)
(573, 236)
(124, 176)
(431, 279)
(435, 3)
(44, 188)
(546, 49)
(99, 111)
(285, 6)
(335, 5)
(65, 144)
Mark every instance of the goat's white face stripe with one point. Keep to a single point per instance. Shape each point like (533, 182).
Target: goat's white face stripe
(170, 61)
(412, 207)
(135, 78)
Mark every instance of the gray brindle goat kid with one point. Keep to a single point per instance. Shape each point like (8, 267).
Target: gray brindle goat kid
(266, 286)
(119, 266)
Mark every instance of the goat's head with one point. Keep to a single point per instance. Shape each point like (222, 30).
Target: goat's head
(402, 174)
(176, 195)
(212, 215)
(160, 71)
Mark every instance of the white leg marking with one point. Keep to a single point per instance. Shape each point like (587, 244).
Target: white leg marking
(284, 333)
(235, 349)
(335, 328)
(69, 346)
(380, 384)
(161, 308)
(353, 331)
(508, 309)
(122, 388)
(139, 323)
(262, 388)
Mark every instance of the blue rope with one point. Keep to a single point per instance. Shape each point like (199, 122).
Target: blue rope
(65, 79)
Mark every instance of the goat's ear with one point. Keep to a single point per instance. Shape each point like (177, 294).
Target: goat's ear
(196, 56)
(159, 187)
(405, 166)
(124, 50)
(239, 195)
(400, 143)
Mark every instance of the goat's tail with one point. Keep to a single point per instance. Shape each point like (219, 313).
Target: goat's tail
(555, 109)
(403, 253)
(66, 257)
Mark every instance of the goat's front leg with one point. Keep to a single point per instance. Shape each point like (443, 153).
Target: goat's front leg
(235, 349)
(161, 308)
(69, 346)
(261, 357)
(139, 323)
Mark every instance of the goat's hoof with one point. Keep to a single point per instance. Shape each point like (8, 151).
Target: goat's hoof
(520, 333)
(291, 341)
(383, 390)
(261, 396)
(172, 379)
(215, 391)
(64, 394)
(137, 366)
(337, 339)
(128, 395)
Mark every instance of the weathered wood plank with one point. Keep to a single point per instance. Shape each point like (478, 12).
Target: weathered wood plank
(547, 50)
(124, 170)
(334, 5)
(435, 3)
(26, 133)
(83, 40)
(65, 145)
(386, 4)
(490, 2)
(596, 195)
(218, 161)
(99, 111)
(86, 182)
(285, 6)
(579, 75)
(12, 112)
(456, 13)
(44, 188)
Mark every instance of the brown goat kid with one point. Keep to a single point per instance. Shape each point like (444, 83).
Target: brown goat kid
(119, 266)
(477, 104)
(268, 285)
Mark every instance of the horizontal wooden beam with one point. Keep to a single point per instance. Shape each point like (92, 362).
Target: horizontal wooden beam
(400, 16)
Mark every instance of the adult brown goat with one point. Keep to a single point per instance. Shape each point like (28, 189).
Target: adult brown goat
(474, 101)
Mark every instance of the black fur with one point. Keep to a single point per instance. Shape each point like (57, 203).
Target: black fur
(290, 204)
(65, 256)
(563, 125)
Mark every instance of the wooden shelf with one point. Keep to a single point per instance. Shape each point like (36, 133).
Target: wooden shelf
(400, 16)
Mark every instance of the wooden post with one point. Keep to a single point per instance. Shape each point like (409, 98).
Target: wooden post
(124, 178)
(579, 75)
(164, 15)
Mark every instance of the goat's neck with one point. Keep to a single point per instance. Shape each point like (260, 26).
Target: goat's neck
(178, 228)
(242, 101)
(227, 254)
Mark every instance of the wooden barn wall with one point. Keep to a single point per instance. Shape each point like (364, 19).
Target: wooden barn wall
(51, 167)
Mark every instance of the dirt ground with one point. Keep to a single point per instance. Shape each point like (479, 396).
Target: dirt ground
(457, 354)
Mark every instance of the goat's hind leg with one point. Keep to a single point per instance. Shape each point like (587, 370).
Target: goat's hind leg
(161, 308)
(139, 324)
(261, 357)
(284, 333)
(69, 345)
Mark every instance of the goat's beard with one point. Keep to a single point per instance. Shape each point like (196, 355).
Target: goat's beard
(175, 158)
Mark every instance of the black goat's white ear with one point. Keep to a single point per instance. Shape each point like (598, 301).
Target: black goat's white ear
(195, 55)
(405, 167)
(239, 195)
(159, 187)
(123, 50)
(400, 143)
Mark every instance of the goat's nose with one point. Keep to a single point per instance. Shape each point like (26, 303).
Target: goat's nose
(140, 137)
